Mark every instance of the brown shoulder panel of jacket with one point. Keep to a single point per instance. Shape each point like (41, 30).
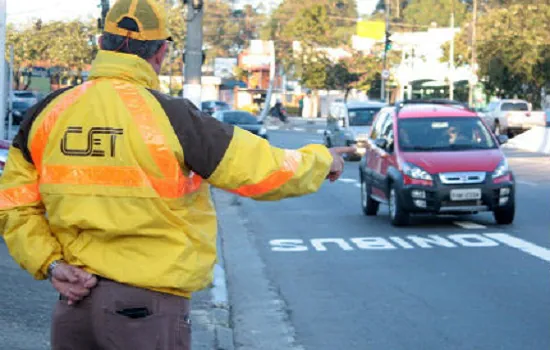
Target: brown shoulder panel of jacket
(22, 138)
(204, 139)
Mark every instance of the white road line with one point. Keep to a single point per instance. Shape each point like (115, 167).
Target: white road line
(526, 247)
(528, 183)
(358, 185)
(348, 181)
(469, 225)
(299, 129)
(320, 131)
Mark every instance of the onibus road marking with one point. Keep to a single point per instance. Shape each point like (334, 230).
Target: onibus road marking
(461, 240)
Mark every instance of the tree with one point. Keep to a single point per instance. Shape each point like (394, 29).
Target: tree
(426, 12)
(339, 18)
(357, 72)
(514, 50)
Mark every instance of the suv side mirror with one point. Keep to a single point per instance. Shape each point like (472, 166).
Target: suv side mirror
(502, 139)
(341, 123)
(381, 143)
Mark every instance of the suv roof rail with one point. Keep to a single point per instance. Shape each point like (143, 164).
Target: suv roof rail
(400, 104)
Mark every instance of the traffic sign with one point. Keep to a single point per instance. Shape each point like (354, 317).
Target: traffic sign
(385, 74)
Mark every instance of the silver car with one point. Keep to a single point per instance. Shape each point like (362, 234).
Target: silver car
(349, 123)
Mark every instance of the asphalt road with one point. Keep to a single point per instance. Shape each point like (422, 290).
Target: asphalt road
(353, 282)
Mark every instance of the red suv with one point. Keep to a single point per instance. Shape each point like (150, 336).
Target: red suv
(435, 157)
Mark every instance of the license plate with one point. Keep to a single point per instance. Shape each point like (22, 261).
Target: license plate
(466, 195)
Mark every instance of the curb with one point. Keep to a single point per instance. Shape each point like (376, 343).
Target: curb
(221, 310)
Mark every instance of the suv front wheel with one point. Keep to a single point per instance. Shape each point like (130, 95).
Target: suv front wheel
(398, 215)
(369, 205)
(505, 216)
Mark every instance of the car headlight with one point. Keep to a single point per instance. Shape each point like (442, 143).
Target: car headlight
(502, 169)
(262, 131)
(416, 172)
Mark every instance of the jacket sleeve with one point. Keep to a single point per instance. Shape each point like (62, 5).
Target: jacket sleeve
(238, 161)
(23, 224)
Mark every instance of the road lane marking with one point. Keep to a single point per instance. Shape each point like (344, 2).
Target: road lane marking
(469, 225)
(358, 185)
(523, 245)
(528, 183)
(299, 129)
(348, 181)
(320, 132)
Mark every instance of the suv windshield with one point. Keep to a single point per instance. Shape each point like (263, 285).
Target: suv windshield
(362, 116)
(444, 134)
(239, 118)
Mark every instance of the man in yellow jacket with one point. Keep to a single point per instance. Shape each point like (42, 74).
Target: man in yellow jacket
(106, 192)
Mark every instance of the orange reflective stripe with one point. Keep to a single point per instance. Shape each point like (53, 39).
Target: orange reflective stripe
(174, 183)
(277, 179)
(93, 175)
(110, 176)
(20, 195)
(40, 139)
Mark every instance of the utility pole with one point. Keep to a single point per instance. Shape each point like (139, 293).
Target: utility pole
(105, 6)
(473, 59)
(10, 94)
(3, 80)
(383, 79)
(452, 55)
(192, 88)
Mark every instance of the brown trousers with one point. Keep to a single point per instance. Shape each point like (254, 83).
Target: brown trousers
(120, 317)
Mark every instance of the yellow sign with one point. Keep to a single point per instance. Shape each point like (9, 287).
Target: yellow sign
(371, 29)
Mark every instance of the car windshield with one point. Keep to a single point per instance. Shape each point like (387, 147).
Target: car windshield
(362, 116)
(23, 94)
(444, 134)
(239, 118)
(515, 107)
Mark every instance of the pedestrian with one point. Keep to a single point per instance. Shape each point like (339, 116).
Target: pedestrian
(308, 108)
(278, 111)
(123, 172)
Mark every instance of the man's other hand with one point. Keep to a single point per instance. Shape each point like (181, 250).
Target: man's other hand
(337, 166)
(72, 282)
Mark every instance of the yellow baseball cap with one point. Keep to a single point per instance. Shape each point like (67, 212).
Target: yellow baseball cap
(138, 19)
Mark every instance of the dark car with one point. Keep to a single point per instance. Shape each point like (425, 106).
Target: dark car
(435, 157)
(18, 111)
(243, 120)
(211, 107)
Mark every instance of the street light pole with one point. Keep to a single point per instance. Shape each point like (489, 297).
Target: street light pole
(3, 78)
(383, 79)
(105, 6)
(192, 89)
(473, 59)
(452, 54)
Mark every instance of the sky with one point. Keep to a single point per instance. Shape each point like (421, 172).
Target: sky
(23, 11)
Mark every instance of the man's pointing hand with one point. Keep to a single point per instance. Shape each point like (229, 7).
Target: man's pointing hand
(337, 166)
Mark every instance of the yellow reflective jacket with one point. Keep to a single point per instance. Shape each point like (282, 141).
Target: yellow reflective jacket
(123, 173)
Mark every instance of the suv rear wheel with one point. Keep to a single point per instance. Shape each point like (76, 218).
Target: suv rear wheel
(369, 205)
(398, 215)
(505, 216)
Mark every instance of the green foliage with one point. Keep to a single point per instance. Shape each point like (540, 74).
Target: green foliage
(513, 49)
(426, 12)
(311, 22)
(358, 71)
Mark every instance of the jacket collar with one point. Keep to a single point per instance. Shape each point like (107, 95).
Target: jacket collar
(130, 68)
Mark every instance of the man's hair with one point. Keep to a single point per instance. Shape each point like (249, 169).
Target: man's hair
(143, 49)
